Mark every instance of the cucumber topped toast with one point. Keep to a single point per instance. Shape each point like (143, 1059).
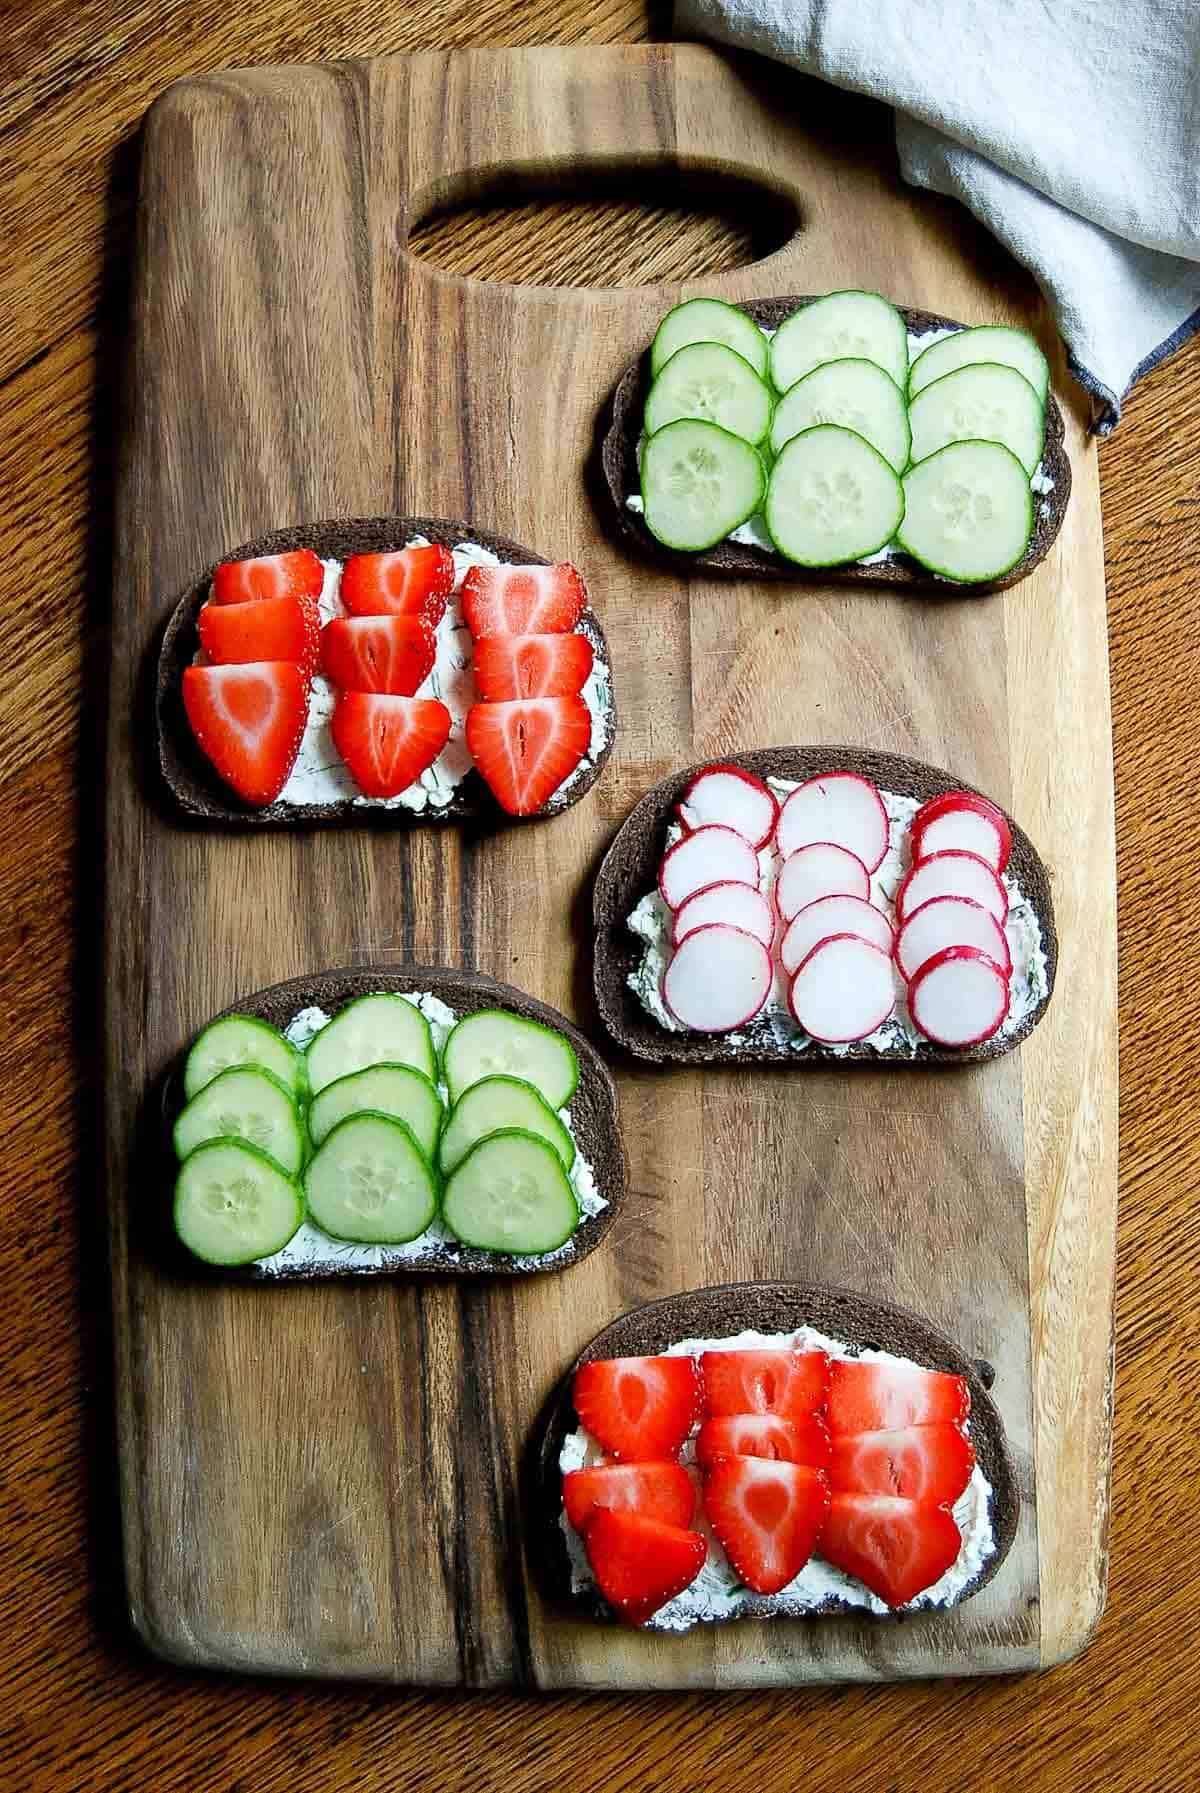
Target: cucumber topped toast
(899, 447)
(427, 1120)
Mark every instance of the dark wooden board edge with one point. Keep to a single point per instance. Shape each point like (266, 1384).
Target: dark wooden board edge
(630, 868)
(618, 462)
(190, 778)
(860, 1321)
(595, 1111)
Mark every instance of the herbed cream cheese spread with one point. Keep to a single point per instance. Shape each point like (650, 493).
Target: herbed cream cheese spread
(717, 1592)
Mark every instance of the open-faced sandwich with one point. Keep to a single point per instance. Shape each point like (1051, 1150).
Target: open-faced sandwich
(371, 1122)
(402, 668)
(770, 1450)
(804, 904)
(838, 437)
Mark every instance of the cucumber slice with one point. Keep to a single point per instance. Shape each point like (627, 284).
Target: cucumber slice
(841, 325)
(708, 320)
(831, 498)
(856, 395)
(249, 1104)
(374, 1030)
(711, 382)
(497, 1104)
(370, 1182)
(991, 342)
(241, 1040)
(984, 402)
(396, 1090)
(699, 484)
(968, 511)
(233, 1204)
(493, 1043)
(511, 1193)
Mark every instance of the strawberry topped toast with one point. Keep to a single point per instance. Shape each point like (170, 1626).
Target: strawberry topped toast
(777, 1461)
(397, 666)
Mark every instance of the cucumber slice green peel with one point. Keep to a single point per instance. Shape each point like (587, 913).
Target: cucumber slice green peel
(831, 498)
(981, 402)
(511, 1194)
(370, 1183)
(397, 1090)
(497, 1104)
(247, 1103)
(234, 1204)
(496, 1043)
(372, 1030)
(854, 394)
(968, 511)
(987, 342)
(241, 1040)
(708, 320)
(837, 326)
(699, 484)
(708, 381)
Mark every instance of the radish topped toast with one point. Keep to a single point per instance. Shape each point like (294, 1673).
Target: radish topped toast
(388, 668)
(801, 905)
(770, 1450)
(838, 438)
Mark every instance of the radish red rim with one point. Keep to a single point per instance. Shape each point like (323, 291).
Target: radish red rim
(995, 933)
(948, 960)
(722, 769)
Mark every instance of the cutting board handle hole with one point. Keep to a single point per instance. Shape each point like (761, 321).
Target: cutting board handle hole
(602, 224)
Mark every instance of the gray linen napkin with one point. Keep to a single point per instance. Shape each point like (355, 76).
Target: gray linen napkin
(1071, 128)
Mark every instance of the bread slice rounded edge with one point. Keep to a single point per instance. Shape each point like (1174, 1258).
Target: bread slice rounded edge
(629, 870)
(595, 1111)
(857, 1320)
(193, 782)
(618, 465)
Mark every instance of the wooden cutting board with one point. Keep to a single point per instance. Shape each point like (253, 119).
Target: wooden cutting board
(323, 1480)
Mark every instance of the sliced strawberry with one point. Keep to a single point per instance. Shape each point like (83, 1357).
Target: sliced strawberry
(387, 741)
(802, 1440)
(522, 600)
(525, 749)
(869, 1395)
(296, 574)
(926, 1463)
(511, 666)
(768, 1517)
(638, 1407)
(789, 1383)
(249, 720)
(897, 1548)
(268, 629)
(407, 582)
(394, 654)
(639, 1563)
(662, 1491)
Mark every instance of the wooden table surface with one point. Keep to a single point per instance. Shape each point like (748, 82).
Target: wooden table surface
(83, 1708)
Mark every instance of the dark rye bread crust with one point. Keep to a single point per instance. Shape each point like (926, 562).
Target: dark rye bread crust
(858, 1320)
(189, 775)
(618, 459)
(595, 1115)
(630, 869)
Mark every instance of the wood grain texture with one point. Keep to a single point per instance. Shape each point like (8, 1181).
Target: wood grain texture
(86, 1709)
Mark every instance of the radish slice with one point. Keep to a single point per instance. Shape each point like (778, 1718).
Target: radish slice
(711, 855)
(952, 874)
(735, 799)
(950, 921)
(959, 997)
(834, 915)
(982, 806)
(734, 905)
(843, 991)
(819, 870)
(839, 807)
(959, 831)
(719, 978)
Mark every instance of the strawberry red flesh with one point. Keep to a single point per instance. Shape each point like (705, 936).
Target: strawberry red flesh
(407, 582)
(786, 1382)
(768, 1517)
(510, 600)
(661, 1491)
(386, 741)
(926, 1463)
(897, 1548)
(639, 1564)
(525, 749)
(296, 574)
(638, 1407)
(869, 1395)
(514, 666)
(801, 1440)
(249, 720)
(393, 654)
(268, 629)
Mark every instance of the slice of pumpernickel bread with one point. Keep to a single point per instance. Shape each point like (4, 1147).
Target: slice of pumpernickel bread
(630, 869)
(595, 1116)
(190, 777)
(858, 1320)
(618, 459)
